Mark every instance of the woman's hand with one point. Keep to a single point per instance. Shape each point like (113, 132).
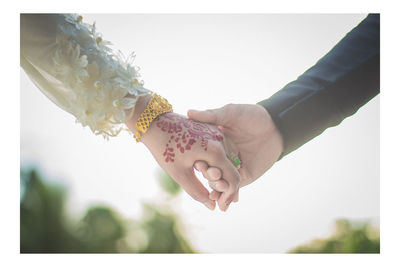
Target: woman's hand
(177, 143)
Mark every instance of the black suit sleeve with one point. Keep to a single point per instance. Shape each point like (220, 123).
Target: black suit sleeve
(334, 88)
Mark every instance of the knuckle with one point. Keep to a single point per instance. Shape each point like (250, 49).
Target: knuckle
(200, 166)
(214, 173)
(229, 106)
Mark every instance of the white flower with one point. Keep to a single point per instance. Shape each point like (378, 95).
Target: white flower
(128, 75)
(94, 79)
(69, 65)
(76, 20)
(121, 104)
(125, 103)
(127, 79)
(105, 91)
(125, 61)
(98, 42)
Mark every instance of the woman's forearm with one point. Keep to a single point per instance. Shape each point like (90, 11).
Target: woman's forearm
(73, 66)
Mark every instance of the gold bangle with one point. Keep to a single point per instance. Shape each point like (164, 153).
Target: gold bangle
(156, 106)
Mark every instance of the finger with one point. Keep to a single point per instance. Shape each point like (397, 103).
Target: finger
(212, 116)
(195, 188)
(210, 173)
(220, 185)
(226, 131)
(214, 195)
(232, 177)
(201, 166)
(236, 197)
(213, 174)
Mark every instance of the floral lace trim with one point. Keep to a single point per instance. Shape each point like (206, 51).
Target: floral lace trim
(104, 82)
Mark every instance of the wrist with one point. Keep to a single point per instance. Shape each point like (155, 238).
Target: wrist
(277, 139)
(140, 106)
(153, 133)
(149, 109)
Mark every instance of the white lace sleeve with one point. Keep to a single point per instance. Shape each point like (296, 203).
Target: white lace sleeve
(73, 66)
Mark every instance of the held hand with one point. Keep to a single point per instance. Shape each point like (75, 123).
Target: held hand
(176, 143)
(251, 132)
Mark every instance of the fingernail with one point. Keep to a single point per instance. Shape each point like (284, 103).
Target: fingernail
(227, 206)
(209, 205)
(229, 200)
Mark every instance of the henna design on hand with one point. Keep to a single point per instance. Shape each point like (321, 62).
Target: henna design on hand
(185, 133)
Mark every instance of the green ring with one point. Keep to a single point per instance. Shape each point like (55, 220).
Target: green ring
(236, 161)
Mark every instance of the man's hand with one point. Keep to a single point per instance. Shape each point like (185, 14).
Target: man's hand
(176, 143)
(250, 131)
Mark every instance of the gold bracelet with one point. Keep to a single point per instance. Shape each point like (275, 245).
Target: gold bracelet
(156, 106)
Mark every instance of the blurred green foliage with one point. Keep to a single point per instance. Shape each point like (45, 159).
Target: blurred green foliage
(46, 228)
(349, 237)
(168, 184)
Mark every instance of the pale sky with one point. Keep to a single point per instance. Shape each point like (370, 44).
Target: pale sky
(207, 61)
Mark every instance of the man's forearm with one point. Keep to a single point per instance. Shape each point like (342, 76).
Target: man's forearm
(333, 89)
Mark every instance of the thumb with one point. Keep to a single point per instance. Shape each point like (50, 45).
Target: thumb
(212, 116)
